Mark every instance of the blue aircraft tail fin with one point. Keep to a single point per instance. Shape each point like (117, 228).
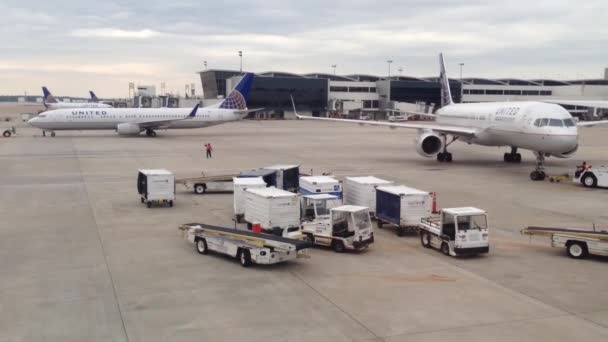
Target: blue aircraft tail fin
(237, 99)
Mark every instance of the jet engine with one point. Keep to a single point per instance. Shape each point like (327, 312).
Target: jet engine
(429, 144)
(128, 129)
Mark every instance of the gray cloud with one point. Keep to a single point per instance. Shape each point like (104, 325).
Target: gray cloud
(67, 43)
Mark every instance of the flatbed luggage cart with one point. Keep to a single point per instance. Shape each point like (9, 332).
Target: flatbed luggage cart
(578, 243)
(204, 183)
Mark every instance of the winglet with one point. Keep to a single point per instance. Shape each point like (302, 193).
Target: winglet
(93, 96)
(293, 103)
(446, 94)
(193, 112)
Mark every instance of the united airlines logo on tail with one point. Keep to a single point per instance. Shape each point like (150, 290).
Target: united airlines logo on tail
(235, 100)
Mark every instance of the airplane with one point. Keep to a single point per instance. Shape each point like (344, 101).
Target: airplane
(546, 129)
(133, 121)
(94, 97)
(50, 102)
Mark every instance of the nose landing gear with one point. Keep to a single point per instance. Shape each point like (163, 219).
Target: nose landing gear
(539, 173)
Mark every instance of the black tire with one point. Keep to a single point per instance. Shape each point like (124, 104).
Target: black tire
(400, 231)
(517, 158)
(200, 188)
(201, 246)
(380, 223)
(141, 199)
(542, 175)
(507, 158)
(445, 248)
(425, 239)
(6, 134)
(440, 157)
(52, 134)
(589, 181)
(171, 204)
(245, 258)
(338, 246)
(149, 204)
(448, 157)
(577, 250)
(536, 176)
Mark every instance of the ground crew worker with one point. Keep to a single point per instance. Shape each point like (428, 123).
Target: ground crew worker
(209, 150)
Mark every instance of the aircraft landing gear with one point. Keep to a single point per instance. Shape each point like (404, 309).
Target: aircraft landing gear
(539, 173)
(513, 157)
(150, 132)
(446, 156)
(44, 134)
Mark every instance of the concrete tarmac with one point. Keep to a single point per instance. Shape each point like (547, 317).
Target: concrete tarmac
(81, 259)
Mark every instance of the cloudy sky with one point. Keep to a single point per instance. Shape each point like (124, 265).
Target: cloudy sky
(76, 45)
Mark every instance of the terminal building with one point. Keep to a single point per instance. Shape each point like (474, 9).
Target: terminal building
(357, 95)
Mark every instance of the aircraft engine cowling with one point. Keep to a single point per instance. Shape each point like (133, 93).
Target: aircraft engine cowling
(429, 144)
(128, 129)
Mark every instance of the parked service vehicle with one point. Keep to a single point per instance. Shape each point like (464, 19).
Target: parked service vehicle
(315, 208)
(578, 243)
(204, 183)
(156, 186)
(402, 206)
(347, 227)
(592, 177)
(250, 248)
(276, 211)
(310, 185)
(240, 185)
(456, 231)
(362, 191)
(287, 176)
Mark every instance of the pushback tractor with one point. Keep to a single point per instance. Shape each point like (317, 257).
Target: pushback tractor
(456, 231)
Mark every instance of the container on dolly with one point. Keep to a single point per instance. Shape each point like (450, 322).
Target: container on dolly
(310, 185)
(240, 185)
(250, 248)
(276, 211)
(402, 206)
(156, 186)
(362, 191)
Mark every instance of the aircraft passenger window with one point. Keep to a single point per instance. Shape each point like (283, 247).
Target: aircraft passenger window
(544, 122)
(569, 123)
(555, 123)
(537, 122)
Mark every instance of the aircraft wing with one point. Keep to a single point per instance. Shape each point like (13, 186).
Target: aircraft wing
(591, 123)
(247, 111)
(583, 103)
(161, 123)
(453, 130)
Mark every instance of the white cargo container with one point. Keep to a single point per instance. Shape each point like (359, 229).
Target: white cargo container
(277, 211)
(361, 191)
(402, 206)
(240, 184)
(156, 187)
(311, 185)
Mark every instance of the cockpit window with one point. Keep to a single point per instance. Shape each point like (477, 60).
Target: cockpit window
(555, 123)
(569, 123)
(544, 122)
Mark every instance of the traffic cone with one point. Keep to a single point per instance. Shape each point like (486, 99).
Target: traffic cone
(435, 210)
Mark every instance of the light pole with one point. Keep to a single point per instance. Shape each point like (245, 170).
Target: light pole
(389, 67)
(334, 66)
(241, 57)
(461, 65)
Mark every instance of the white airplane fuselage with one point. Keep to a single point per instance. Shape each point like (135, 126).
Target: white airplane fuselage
(110, 118)
(515, 124)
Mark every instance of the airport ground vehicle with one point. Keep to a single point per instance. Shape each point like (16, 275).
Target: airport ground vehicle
(592, 177)
(240, 185)
(315, 208)
(402, 207)
(249, 248)
(456, 231)
(204, 183)
(156, 186)
(362, 191)
(347, 227)
(578, 243)
(320, 185)
(276, 211)
(7, 132)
